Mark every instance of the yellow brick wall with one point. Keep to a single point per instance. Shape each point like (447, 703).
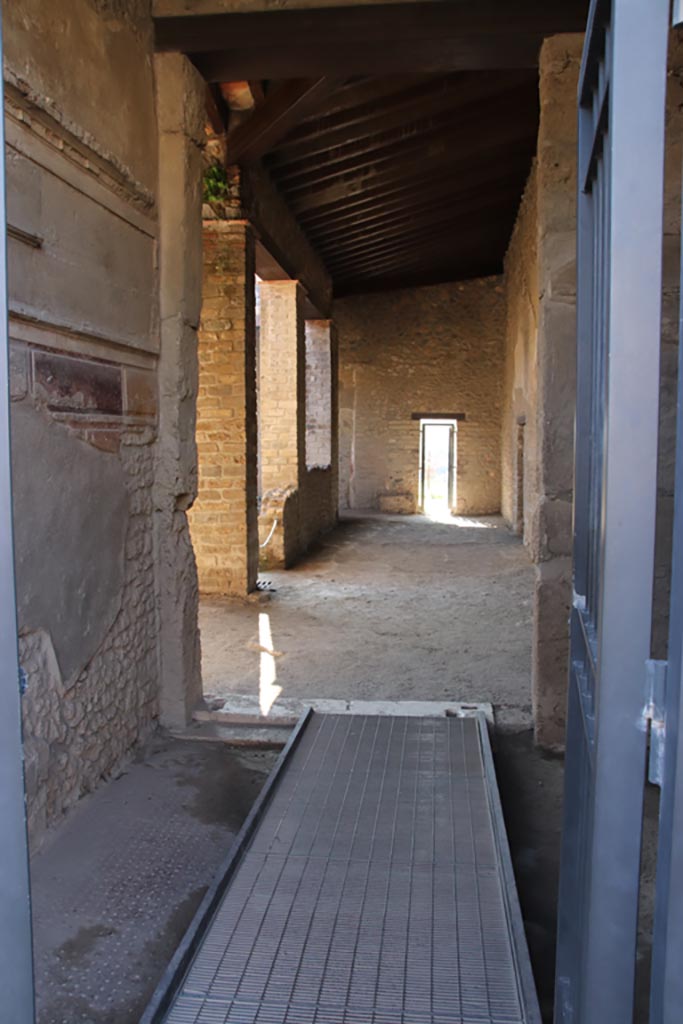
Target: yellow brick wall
(432, 349)
(224, 517)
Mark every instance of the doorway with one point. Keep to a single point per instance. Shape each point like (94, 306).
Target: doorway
(438, 453)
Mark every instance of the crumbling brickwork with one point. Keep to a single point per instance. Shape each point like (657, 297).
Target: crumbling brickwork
(430, 350)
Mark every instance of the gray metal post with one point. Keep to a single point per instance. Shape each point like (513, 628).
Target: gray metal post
(620, 170)
(16, 960)
(666, 988)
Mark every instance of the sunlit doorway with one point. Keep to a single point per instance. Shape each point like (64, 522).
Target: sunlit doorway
(438, 454)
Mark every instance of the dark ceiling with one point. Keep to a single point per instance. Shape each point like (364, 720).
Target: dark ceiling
(412, 170)
(411, 179)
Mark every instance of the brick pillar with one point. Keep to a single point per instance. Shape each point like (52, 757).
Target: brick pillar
(224, 518)
(282, 386)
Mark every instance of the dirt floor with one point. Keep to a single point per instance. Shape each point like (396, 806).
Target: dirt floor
(386, 607)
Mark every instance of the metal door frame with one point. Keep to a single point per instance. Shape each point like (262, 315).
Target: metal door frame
(620, 202)
(16, 962)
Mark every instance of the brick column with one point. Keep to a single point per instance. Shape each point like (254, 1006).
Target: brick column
(224, 518)
(282, 386)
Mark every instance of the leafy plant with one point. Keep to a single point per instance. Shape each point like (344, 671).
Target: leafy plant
(216, 188)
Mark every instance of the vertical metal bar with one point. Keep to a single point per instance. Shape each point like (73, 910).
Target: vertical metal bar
(666, 985)
(583, 381)
(633, 294)
(570, 917)
(16, 961)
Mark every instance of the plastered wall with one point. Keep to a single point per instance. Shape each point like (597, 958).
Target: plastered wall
(84, 329)
(429, 350)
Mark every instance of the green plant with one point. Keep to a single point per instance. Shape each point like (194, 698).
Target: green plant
(215, 184)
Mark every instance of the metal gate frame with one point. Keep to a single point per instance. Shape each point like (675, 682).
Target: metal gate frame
(16, 962)
(666, 984)
(620, 202)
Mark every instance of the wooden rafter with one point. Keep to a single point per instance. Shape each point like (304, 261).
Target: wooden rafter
(279, 112)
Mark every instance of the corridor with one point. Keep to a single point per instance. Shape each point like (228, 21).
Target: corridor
(383, 608)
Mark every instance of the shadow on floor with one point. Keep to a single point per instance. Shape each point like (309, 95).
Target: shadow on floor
(530, 784)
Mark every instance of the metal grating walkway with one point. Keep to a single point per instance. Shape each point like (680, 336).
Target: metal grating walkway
(376, 888)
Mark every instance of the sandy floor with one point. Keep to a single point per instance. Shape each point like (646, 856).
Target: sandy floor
(386, 607)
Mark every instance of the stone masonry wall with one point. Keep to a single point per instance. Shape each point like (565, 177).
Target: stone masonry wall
(540, 375)
(430, 350)
(520, 469)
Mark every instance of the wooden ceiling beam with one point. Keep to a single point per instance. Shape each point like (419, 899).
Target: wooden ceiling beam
(216, 110)
(458, 155)
(453, 178)
(278, 114)
(416, 157)
(409, 203)
(402, 225)
(435, 140)
(476, 94)
(428, 252)
(373, 39)
(376, 248)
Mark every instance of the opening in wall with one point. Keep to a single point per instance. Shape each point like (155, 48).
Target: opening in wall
(318, 395)
(438, 460)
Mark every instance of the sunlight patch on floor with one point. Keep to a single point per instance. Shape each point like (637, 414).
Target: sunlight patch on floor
(268, 690)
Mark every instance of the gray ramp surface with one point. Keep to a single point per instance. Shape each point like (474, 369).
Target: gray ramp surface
(376, 889)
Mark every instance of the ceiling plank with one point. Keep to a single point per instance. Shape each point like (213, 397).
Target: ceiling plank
(403, 225)
(426, 253)
(437, 146)
(458, 154)
(444, 94)
(280, 111)
(409, 201)
(497, 217)
(434, 139)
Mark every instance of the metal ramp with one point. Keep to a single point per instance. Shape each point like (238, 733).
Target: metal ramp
(371, 884)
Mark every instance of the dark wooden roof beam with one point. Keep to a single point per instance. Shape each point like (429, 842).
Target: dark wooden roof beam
(280, 111)
(460, 156)
(432, 234)
(377, 39)
(402, 226)
(442, 192)
(475, 95)
(485, 239)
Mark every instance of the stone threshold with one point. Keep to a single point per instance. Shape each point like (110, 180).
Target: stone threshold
(239, 721)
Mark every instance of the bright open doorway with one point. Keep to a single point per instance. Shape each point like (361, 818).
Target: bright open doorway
(438, 456)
